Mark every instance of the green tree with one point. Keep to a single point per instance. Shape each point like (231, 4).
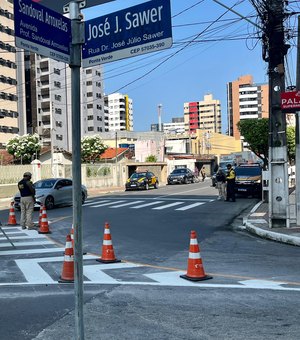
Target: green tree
(291, 143)
(91, 149)
(256, 133)
(151, 158)
(24, 148)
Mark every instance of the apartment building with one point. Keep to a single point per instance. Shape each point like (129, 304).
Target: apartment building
(8, 74)
(120, 112)
(175, 127)
(204, 115)
(245, 100)
(49, 109)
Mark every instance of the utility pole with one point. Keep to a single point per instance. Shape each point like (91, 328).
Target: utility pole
(273, 39)
(159, 117)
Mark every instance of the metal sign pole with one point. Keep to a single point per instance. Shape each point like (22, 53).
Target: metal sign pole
(75, 64)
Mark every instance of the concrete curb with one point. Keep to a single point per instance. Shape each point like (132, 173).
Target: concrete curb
(283, 238)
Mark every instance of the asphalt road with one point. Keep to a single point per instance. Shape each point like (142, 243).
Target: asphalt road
(254, 293)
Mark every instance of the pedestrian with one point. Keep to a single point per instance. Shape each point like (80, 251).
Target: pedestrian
(203, 173)
(230, 179)
(221, 184)
(27, 192)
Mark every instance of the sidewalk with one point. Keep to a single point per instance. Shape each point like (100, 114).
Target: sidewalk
(257, 223)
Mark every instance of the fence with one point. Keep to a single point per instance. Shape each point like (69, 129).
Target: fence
(93, 175)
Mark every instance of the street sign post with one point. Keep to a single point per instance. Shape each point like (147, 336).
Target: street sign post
(42, 31)
(57, 5)
(127, 33)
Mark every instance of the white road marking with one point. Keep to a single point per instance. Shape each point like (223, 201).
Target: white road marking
(167, 206)
(105, 204)
(25, 244)
(13, 237)
(35, 274)
(146, 205)
(96, 274)
(190, 206)
(31, 251)
(93, 202)
(125, 204)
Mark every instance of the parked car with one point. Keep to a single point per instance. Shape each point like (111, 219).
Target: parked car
(142, 180)
(52, 192)
(248, 180)
(181, 175)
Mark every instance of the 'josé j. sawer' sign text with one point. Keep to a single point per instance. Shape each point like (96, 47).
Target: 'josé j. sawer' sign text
(41, 30)
(136, 30)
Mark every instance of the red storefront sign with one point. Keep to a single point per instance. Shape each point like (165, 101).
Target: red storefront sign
(290, 101)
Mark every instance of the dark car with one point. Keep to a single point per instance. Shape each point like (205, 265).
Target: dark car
(142, 180)
(248, 180)
(52, 192)
(182, 175)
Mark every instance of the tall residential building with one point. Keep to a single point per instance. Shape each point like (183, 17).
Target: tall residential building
(175, 127)
(245, 100)
(203, 115)
(120, 111)
(49, 109)
(8, 74)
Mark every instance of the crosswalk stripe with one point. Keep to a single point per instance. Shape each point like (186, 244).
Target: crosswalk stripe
(25, 244)
(190, 206)
(146, 205)
(104, 204)
(31, 251)
(167, 206)
(125, 204)
(93, 202)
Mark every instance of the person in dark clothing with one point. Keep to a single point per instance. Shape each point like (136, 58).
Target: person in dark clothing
(221, 184)
(230, 179)
(27, 192)
(203, 173)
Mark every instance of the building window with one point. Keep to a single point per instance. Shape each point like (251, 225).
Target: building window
(57, 84)
(89, 106)
(90, 128)
(59, 137)
(89, 71)
(57, 97)
(90, 117)
(89, 94)
(89, 83)
(58, 111)
(56, 71)
(58, 124)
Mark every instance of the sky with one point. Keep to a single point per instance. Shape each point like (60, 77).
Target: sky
(211, 47)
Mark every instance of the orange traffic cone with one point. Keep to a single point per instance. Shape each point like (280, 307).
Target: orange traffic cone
(44, 227)
(40, 215)
(195, 271)
(108, 254)
(12, 217)
(67, 275)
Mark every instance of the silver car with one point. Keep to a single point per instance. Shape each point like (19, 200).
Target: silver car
(52, 192)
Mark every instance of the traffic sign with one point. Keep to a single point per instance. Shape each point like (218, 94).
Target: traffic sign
(41, 30)
(127, 33)
(57, 5)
